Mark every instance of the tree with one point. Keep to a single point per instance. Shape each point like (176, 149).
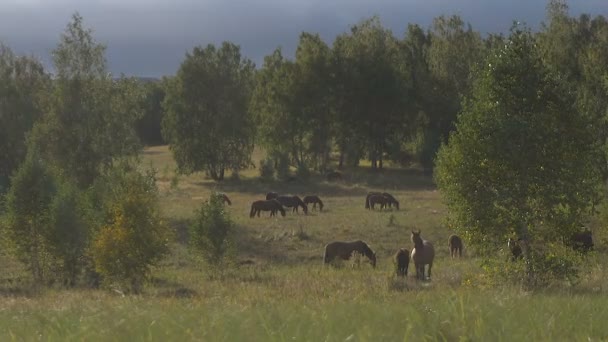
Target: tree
(149, 125)
(23, 82)
(207, 123)
(90, 119)
(521, 160)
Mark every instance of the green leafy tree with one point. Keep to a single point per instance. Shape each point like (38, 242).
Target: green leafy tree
(23, 84)
(90, 118)
(149, 125)
(207, 123)
(521, 161)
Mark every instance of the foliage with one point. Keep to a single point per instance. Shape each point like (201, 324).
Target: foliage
(266, 169)
(521, 160)
(149, 125)
(134, 238)
(207, 123)
(90, 117)
(212, 234)
(23, 83)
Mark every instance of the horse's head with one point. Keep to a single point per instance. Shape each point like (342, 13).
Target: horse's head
(397, 204)
(416, 239)
(372, 259)
(305, 208)
(282, 211)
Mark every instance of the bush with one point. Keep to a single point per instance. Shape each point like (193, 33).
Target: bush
(134, 238)
(212, 234)
(266, 169)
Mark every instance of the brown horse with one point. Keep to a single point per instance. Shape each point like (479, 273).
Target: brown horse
(271, 205)
(377, 199)
(344, 250)
(390, 200)
(402, 261)
(223, 197)
(333, 176)
(314, 199)
(293, 202)
(422, 254)
(455, 244)
(582, 241)
(271, 195)
(515, 249)
(369, 194)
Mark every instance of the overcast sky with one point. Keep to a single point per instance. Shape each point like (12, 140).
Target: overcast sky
(151, 37)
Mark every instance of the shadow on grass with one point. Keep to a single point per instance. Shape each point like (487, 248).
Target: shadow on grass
(171, 289)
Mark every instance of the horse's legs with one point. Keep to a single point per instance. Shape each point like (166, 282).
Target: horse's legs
(460, 252)
(430, 266)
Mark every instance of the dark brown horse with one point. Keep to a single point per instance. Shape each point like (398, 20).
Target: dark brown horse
(223, 197)
(377, 199)
(515, 248)
(314, 199)
(402, 261)
(334, 176)
(344, 250)
(369, 194)
(271, 195)
(422, 255)
(582, 241)
(270, 205)
(292, 202)
(455, 244)
(390, 200)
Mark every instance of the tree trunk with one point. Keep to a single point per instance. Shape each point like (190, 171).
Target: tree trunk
(221, 177)
(341, 161)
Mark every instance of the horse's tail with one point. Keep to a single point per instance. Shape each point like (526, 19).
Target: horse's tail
(367, 202)
(326, 256)
(252, 213)
(227, 199)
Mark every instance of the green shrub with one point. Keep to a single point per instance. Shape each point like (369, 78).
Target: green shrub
(266, 169)
(135, 238)
(212, 234)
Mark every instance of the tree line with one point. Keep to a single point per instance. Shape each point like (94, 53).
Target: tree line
(515, 124)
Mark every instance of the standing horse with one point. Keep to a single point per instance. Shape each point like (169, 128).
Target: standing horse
(292, 202)
(314, 199)
(390, 200)
(344, 250)
(270, 205)
(402, 261)
(369, 194)
(377, 199)
(455, 244)
(422, 255)
(271, 195)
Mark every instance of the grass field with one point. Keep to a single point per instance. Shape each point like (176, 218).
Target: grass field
(284, 292)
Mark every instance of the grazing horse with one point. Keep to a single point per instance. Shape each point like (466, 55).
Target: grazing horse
(422, 254)
(344, 250)
(270, 205)
(582, 241)
(333, 176)
(377, 199)
(292, 202)
(402, 261)
(455, 244)
(314, 199)
(271, 195)
(515, 249)
(390, 200)
(369, 194)
(223, 197)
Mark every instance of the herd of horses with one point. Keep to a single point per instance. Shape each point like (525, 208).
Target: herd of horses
(423, 251)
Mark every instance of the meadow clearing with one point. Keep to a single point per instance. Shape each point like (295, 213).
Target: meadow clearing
(283, 292)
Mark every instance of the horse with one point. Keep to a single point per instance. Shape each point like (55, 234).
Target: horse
(369, 194)
(333, 176)
(422, 254)
(515, 249)
(292, 202)
(314, 199)
(390, 200)
(270, 205)
(377, 199)
(582, 241)
(223, 197)
(455, 244)
(271, 195)
(344, 250)
(402, 261)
